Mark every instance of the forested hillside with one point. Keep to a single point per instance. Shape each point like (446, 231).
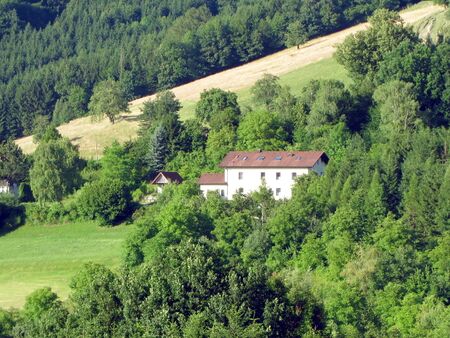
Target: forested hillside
(361, 251)
(54, 52)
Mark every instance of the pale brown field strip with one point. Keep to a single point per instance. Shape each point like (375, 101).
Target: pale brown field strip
(92, 137)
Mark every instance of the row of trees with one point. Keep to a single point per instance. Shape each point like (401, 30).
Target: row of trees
(146, 46)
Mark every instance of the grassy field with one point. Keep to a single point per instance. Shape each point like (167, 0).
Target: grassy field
(296, 80)
(433, 26)
(36, 256)
(294, 66)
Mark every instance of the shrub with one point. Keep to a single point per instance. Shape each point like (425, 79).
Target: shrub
(106, 200)
(51, 213)
(11, 212)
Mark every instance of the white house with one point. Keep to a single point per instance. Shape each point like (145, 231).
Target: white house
(8, 187)
(166, 177)
(245, 172)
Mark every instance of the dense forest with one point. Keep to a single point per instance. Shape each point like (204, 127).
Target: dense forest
(54, 52)
(359, 252)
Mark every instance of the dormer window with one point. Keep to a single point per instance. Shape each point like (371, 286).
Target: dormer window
(261, 158)
(278, 158)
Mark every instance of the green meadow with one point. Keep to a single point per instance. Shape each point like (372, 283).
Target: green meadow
(296, 80)
(32, 257)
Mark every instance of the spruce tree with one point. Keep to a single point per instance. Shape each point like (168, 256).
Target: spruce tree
(443, 206)
(157, 151)
(374, 203)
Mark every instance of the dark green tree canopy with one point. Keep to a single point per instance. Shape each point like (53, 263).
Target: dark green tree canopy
(14, 165)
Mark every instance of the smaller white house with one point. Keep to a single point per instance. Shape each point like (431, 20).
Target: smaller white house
(7, 187)
(245, 172)
(166, 177)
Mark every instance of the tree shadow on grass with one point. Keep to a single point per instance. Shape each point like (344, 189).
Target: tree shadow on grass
(11, 219)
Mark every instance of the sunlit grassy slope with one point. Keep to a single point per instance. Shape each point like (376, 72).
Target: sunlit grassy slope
(36, 256)
(296, 80)
(295, 67)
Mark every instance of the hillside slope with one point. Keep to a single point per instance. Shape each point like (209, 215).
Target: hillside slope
(93, 137)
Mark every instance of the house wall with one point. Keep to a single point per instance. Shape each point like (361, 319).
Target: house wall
(212, 187)
(9, 189)
(251, 180)
(319, 167)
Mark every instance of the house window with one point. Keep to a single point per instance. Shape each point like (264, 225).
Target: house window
(277, 191)
(278, 175)
(241, 175)
(241, 190)
(222, 193)
(294, 176)
(263, 175)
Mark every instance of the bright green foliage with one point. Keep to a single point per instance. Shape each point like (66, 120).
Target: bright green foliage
(105, 200)
(443, 207)
(362, 52)
(96, 303)
(108, 100)
(398, 107)
(53, 53)
(265, 90)
(218, 108)
(325, 102)
(358, 252)
(261, 130)
(56, 170)
(43, 315)
(14, 165)
(72, 105)
(50, 133)
(165, 104)
(40, 125)
(38, 302)
(375, 203)
(219, 143)
(7, 322)
(296, 34)
(118, 164)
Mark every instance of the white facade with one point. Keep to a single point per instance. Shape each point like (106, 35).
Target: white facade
(7, 188)
(247, 180)
(221, 189)
(246, 172)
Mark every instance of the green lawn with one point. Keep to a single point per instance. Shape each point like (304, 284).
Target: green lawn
(296, 80)
(36, 256)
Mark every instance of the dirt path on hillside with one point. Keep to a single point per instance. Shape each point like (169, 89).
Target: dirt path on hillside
(93, 137)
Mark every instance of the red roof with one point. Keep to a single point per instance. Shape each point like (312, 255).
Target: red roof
(171, 177)
(212, 179)
(272, 159)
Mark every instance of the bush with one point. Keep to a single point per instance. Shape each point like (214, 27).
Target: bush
(51, 213)
(11, 212)
(106, 200)
(7, 322)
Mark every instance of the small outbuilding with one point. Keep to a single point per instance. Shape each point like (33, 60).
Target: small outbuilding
(166, 177)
